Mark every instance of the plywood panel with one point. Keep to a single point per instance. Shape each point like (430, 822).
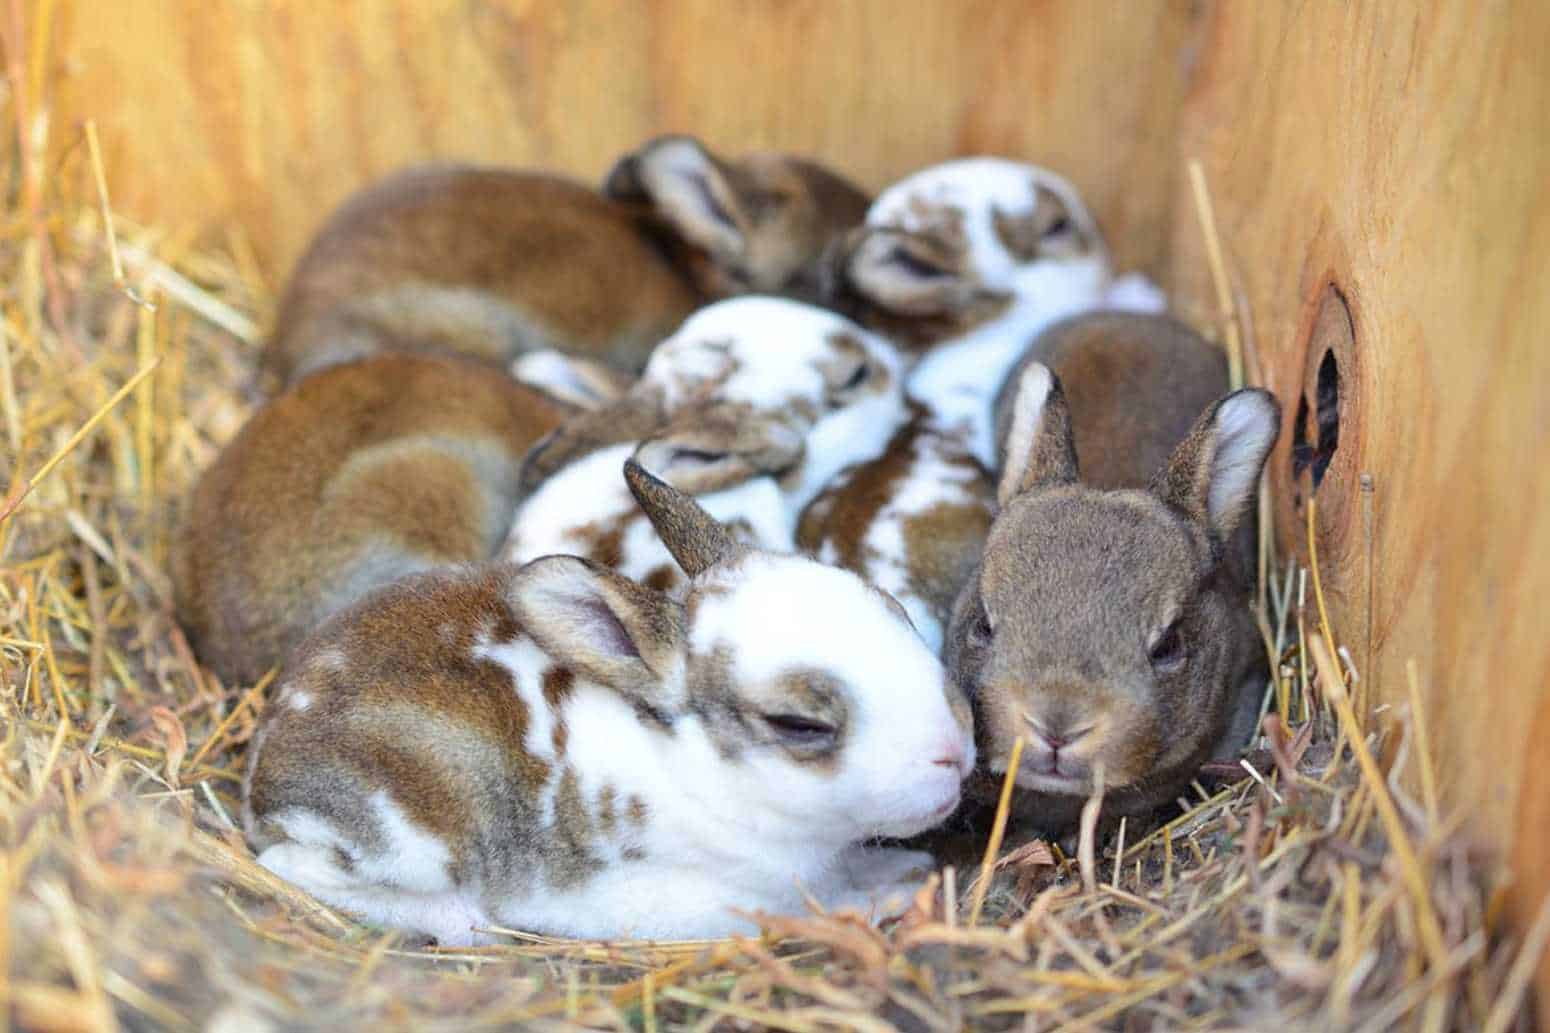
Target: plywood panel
(1397, 158)
(268, 113)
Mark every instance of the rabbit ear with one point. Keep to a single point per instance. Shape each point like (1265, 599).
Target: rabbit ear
(695, 538)
(637, 415)
(689, 188)
(583, 384)
(1214, 471)
(612, 630)
(708, 452)
(1039, 449)
(902, 272)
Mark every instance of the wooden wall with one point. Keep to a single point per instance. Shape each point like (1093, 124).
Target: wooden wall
(1381, 174)
(1392, 162)
(269, 113)
(1398, 157)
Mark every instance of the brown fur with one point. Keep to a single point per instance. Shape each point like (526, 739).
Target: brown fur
(1057, 631)
(920, 287)
(760, 224)
(357, 475)
(1135, 384)
(535, 261)
(942, 542)
(490, 262)
(399, 699)
(391, 694)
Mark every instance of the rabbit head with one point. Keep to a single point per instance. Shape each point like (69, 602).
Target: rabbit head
(951, 247)
(751, 386)
(833, 717)
(576, 735)
(1103, 626)
(757, 223)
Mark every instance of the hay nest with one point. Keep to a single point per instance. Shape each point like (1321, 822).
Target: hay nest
(1302, 890)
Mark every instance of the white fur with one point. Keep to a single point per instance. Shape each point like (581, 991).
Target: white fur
(1246, 428)
(1134, 292)
(750, 833)
(936, 475)
(1033, 388)
(958, 380)
(781, 613)
(567, 378)
(766, 353)
(591, 492)
(977, 188)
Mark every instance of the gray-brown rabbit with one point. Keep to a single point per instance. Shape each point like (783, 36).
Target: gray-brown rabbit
(1108, 624)
(359, 474)
(492, 262)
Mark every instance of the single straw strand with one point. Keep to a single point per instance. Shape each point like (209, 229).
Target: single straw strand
(997, 831)
(24, 487)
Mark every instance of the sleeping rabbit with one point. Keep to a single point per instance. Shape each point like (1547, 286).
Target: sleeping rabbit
(492, 263)
(556, 748)
(963, 264)
(357, 475)
(753, 406)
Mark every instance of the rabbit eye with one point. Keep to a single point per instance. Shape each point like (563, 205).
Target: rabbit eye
(697, 456)
(802, 732)
(981, 630)
(1060, 227)
(857, 378)
(1167, 653)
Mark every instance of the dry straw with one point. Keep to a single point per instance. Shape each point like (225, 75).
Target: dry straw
(1313, 895)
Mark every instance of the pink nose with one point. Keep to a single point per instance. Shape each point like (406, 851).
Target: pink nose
(950, 755)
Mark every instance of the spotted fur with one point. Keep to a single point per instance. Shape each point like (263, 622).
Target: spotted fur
(965, 263)
(753, 406)
(911, 522)
(530, 746)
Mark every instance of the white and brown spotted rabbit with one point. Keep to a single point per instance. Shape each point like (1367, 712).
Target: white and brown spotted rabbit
(556, 748)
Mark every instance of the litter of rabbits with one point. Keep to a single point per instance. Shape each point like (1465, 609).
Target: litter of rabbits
(1304, 888)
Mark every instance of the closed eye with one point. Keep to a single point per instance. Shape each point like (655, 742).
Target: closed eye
(856, 379)
(697, 455)
(801, 731)
(913, 265)
(1061, 225)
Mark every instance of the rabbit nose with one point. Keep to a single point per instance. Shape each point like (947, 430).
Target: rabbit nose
(1056, 735)
(951, 755)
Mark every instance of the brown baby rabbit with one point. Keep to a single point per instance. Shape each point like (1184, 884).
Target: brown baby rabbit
(492, 262)
(358, 475)
(1108, 624)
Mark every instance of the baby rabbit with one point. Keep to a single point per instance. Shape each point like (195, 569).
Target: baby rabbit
(754, 405)
(1108, 623)
(491, 262)
(760, 224)
(964, 263)
(556, 748)
(911, 522)
(357, 475)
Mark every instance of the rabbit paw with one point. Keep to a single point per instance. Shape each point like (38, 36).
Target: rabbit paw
(870, 868)
(878, 903)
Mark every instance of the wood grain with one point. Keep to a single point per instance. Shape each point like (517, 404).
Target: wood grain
(1399, 157)
(265, 115)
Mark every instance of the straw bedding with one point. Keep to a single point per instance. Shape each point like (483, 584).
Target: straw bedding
(1306, 889)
